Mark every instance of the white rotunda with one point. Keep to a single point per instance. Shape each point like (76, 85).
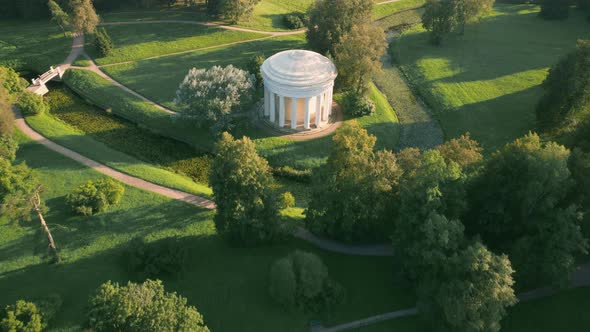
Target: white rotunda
(298, 88)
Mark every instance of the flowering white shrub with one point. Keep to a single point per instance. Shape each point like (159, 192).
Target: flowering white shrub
(210, 95)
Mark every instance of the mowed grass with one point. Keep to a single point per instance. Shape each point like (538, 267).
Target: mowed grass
(159, 78)
(487, 81)
(139, 41)
(32, 45)
(228, 285)
(268, 14)
(387, 9)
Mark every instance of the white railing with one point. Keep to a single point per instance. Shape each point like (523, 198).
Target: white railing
(47, 76)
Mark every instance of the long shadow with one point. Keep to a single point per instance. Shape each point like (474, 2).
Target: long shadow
(502, 45)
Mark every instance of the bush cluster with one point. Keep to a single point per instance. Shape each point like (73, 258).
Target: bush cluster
(294, 21)
(154, 259)
(31, 104)
(22, 316)
(103, 43)
(301, 281)
(287, 200)
(94, 197)
(356, 104)
(290, 173)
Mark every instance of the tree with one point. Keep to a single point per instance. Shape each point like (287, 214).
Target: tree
(91, 198)
(519, 204)
(103, 42)
(22, 317)
(238, 10)
(20, 193)
(84, 18)
(567, 90)
(348, 197)
(31, 103)
(358, 56)
(243, 187)
(301, 280)
(254, 68)
(468, 11)
(213, 7)
(464, 151)
(329, 20)
(6, 115)
(11, 81)
(143, 307)
(555, 9)
(61, 18)
(439, 19)
(474, 293)
(210, 95)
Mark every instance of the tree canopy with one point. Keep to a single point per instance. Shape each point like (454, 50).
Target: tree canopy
(244, 191)
(329, 20)
(61, 18)
(143, 307)
(84, 18)
(237, 10)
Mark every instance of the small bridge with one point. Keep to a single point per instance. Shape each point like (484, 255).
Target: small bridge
(38, 86)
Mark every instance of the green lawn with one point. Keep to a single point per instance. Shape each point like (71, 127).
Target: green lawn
(183, 14)
(159, 78)
(381, 11)
(32, 45)
(487, 81)
(228, 285)
(268, 14)
(139, 41)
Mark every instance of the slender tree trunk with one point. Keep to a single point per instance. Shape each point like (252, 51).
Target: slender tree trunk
(36, 205)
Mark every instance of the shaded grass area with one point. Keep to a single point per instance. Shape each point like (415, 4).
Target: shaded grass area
(139, 41)
(126, 137)
(487, 81)
(32, 45)
(228, 285)
(400, 20)
(566, 311)
(158, 79)
(76, 140)
(183, 14)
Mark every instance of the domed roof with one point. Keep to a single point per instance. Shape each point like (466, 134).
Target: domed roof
(299, 68)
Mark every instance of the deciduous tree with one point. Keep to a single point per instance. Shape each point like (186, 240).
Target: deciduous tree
(438, 18)
(358, 56)
(21, 317)
(329, 20)
(61, 18)
(238, 10)
(210, 95)
(143, 307)
(243, 187)
(84, 18)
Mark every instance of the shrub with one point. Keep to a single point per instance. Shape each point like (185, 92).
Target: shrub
(153, 259)
(143, 307)
(254, 68)
(92, 198)
(31, 104)
(288, 172)
(294, 21)
(11, 80)
(23, 316)
(8, 147)
(103, 42)
(287, 200)
(355, 104)
(301, 280)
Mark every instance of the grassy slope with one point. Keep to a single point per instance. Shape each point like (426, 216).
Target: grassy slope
(169, 71)
(387, 9)
(228, 285)
(487, 82)
(32, 45)
(268, 14)
(140, 41)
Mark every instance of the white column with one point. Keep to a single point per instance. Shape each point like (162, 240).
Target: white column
(318, 111)
(330, 96)
(273, 108)
(306, 119)
(325, 112)
(293, 112)
(266, 102)
(281, 111)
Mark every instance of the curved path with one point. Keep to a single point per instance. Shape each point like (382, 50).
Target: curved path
(77, 50)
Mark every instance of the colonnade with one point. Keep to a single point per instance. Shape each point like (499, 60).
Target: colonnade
(318, 106)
